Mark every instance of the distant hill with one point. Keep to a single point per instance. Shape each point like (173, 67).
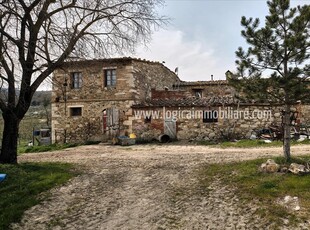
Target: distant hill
(37, 116)
(38, 98)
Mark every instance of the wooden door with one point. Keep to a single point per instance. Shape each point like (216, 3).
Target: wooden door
(170, 128)
(110, 122)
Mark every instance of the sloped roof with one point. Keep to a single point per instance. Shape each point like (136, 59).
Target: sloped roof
(201, 83)
(188, 102)
(117, 59)
(125, 60)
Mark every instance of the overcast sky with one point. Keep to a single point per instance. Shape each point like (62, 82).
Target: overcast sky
(203, 35)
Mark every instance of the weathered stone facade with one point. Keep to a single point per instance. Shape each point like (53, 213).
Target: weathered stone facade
(95, 100)
(233, 121)
(206, 88)
(190, 101)
(304, 114)
(86, 106)
(191, 125)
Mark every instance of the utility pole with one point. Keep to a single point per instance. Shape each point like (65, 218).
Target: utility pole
(65, 103)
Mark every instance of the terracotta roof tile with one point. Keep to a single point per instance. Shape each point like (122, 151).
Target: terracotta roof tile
(188, 102)
(201, 83)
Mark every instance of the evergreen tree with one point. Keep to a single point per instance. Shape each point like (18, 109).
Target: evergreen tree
(275, 68)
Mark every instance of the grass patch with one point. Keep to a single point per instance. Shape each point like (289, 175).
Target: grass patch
(251, 143)
(24, 182)
(49, 148)
(44, 148)
(266, 188)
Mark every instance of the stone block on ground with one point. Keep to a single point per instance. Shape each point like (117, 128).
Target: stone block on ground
(270, 166)
(298, 169)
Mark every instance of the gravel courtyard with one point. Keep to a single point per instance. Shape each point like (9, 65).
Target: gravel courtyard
(135, 187)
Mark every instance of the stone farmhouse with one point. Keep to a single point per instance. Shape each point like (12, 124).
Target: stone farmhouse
(92, 99)
(96, 100)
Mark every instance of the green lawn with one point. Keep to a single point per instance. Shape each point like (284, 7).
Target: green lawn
(24, 148)
(24, 182)
(253, 185)
(250, 143)
(43, 148)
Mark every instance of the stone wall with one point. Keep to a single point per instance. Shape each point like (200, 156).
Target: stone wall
(89, 126)
(152, 75)
(93, 81)
(148, 131)
(305, 114)
(164, 94)
(208, 88)
(233, 122)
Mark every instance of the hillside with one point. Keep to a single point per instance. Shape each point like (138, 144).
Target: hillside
(38, 115)
(40, 96)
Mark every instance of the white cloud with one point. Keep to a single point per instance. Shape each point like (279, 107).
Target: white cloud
(194, 59)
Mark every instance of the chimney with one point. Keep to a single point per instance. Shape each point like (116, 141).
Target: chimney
(211, 77)
(228, 75)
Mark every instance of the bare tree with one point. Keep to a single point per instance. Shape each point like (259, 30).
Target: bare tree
(37, 36)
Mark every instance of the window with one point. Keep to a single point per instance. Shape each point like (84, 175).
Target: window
(76, 111)
(210, 116)
(198, 93)
(110, 77)
(76, 80)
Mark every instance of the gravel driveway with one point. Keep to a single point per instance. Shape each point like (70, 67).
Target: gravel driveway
(145, 187)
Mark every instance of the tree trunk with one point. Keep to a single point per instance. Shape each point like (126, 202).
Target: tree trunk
(287, 133)
(8, 153)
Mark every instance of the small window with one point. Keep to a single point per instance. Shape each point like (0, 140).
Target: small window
(76, 80)
(76, 111)
(210, 116)
(198, 93)
(110, 77)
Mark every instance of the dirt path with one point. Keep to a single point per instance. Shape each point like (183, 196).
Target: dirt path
(145, 187)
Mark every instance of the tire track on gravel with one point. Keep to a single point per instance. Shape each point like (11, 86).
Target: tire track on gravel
(144, 187)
